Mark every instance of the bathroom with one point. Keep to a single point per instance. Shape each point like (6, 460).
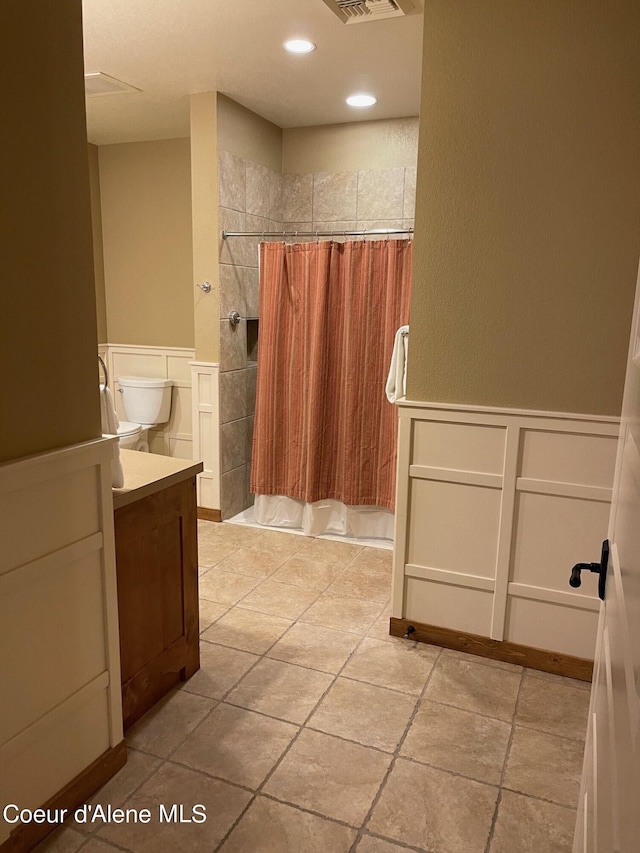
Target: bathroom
(330, 178)
(475, 345)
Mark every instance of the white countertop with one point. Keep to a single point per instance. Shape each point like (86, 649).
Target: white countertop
(147, 473)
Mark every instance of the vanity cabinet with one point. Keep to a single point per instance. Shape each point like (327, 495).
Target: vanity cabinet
(157, 578)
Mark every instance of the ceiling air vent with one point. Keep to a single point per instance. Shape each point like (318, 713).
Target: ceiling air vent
(358, 11)
(98, 83)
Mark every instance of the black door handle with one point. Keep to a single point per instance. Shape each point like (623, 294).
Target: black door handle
(599, 568)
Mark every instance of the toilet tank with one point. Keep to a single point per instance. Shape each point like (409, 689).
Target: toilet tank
(145, 401)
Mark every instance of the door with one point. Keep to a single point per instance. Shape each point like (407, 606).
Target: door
(609, 806)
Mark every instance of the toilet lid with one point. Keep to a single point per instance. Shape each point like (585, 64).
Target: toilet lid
(127, 428)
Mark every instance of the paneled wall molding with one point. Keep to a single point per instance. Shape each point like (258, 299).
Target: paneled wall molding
(57, 573)
(453, 578)
(175, 437)
(568, 599)
(458, 410)
(206, 430)
(493, 508)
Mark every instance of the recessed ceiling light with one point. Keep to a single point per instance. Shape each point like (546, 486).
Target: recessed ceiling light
(299, 46)
(361, 100)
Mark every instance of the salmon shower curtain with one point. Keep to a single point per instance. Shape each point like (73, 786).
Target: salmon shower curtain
(328, 315)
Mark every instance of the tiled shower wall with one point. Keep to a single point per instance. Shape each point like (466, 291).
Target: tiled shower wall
(250, 197)
(369, 198)
(254, 198)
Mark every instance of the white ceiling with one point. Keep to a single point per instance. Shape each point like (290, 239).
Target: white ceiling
(172, 48)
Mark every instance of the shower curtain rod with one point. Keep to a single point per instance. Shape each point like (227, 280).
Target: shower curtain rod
(366, 232)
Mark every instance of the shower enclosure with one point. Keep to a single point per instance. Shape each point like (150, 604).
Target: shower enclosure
(324, 441)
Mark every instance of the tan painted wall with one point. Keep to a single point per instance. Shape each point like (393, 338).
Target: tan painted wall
(350, 147)
(204, 183)
(528, 211)
(98, 252)
(248, 135)
(145, 190)
(48, 363)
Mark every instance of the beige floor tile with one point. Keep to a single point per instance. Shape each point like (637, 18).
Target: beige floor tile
(61, 840)
(220, 670)
(281, 690)
(362, 712)
(553, 707)
(434, 810)
(172, 784)
(496, 664)
(559, 679)
(465, 743)
(474, 687)
(258, 561)
(247, 630)
(284, 539)
(203, 526)
(236, 745)
(345, 614)
(242, 536)
(168, 723)
(370, 844)
(138, 769)
(271, 827)
(330, 776)
(532, 826)
(308, 572)
(379, 558)
(280, 599)
(97, 845)
(225, 587)
(209, 612)
(372, 583)
(338, 553)
(380, 630)
(315, 647)
(544, 766)
(212, 552)
(403, 667)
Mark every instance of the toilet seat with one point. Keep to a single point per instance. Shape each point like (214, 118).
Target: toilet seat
(127, 428)
(133, 436)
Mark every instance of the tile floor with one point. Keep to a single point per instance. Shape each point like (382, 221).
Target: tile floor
(309, 730)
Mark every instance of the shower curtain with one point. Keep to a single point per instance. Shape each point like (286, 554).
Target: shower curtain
(324, 430)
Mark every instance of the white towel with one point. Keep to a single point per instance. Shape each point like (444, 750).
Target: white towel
(397, 380)
(110, 424)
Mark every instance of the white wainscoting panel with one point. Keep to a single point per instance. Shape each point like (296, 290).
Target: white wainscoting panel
(460, 608)
(59, 656)
(493, 509)
(174, 438)
(453, 526)
(206, 430)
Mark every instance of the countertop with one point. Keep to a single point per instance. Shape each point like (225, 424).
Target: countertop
(147, 473)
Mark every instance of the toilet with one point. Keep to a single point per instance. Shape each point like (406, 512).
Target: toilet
(146, 403)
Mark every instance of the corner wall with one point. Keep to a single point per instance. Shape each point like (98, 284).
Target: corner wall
(250, 198)
(528, 212)
(48, 363)
(59, 654)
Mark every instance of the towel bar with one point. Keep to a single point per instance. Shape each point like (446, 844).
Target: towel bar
(104, 367)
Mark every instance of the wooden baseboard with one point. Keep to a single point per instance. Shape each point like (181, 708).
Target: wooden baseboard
(206, 514)
(473, 644)
(26, 835)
